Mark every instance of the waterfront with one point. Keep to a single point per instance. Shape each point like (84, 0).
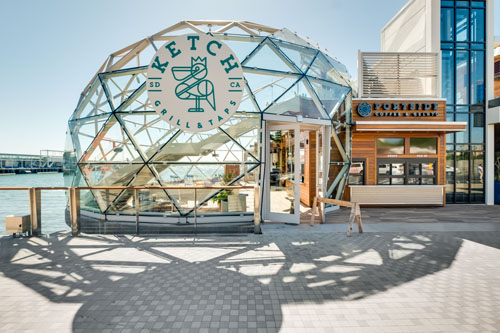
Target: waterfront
(17, 202)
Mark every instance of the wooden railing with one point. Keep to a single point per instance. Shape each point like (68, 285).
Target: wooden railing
(35, 202)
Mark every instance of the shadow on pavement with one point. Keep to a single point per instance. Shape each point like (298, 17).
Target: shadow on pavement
(216, 282)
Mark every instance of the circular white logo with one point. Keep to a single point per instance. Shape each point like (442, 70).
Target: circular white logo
(195, 82)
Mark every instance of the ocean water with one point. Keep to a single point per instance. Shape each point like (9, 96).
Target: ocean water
(17, 202)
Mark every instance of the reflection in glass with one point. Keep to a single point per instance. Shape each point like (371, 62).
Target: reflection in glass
(450, 177)
(477, 77)
(462, 72)
(414, 169)
(462, 24)
(427, 169)
(447, 24)
(477, 25)
(462, 137)
(281, 176)
(398, 169)
(390, 146)
(423, 145)
(356, 173)
(462, 177)
(448, 72)
(477, 177)
(384, 169)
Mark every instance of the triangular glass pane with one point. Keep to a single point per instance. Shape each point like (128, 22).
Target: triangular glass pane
(331, 95)
(242, 46)
(244, 128)
(267, 88)
(108, 175)
(247, 104)
(292, 37)
(321, 68)
(297, 101)
(111, 145)
(267, 57)
(149, 131)
(300, 55)
(94, 103)
(137, 103)
(84, 131)
(121, 85)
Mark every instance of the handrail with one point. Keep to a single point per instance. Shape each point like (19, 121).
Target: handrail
(74, 201)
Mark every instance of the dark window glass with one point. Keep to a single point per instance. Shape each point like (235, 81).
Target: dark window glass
(479, 3)
(477, 77)
(462, 77)
(462, 177)
(477, 177)
(477, 128)
(462, 3)
(447, 24)
(477, 25)
(406, 171)
(448, 72)
(447, 3)
(427, 169)
(422, 146)
(390, 146)
(461, 24)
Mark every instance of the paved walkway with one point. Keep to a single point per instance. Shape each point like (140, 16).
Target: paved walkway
(290, 279)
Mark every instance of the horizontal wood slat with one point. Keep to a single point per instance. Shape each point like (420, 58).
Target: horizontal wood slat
(398, 195)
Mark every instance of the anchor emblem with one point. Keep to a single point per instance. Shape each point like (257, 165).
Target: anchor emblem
(193, 84)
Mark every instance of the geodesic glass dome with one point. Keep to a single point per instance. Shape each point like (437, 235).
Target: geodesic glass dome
(117, 139)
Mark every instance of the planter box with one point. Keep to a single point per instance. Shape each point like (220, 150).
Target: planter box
(17, 224)
(237, 203)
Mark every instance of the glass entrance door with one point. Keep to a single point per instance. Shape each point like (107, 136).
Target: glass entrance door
(283, 192)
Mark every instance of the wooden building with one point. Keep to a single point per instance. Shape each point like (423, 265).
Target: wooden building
(399, 151)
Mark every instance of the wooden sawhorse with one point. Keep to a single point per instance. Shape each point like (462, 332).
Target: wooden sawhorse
(355, 212)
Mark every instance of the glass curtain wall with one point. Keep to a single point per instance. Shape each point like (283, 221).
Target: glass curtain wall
(463, 47)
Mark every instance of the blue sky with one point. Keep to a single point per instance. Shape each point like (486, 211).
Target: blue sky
(51, 49)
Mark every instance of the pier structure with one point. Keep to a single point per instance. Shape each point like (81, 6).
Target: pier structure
(46, 161)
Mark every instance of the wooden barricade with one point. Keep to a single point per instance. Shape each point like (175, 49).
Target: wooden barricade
(355, 212)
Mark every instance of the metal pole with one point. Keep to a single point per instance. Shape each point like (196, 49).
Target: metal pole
(256, 210)
(74, 210)
(137, 210)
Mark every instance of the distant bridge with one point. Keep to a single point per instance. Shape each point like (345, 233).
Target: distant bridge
(47, 161)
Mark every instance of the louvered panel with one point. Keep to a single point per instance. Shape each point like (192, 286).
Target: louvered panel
(391, 74)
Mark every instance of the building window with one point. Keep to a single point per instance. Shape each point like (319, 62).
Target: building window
(390, 146)
(423, 146)
(412, 171)
(357, 172)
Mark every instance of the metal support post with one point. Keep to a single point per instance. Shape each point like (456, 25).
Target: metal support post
(137, 210)
(256, 210)
(195, 212)
(74, 210)
(35, 196)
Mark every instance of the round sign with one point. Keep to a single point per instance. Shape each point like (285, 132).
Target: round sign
(195, 82)
(364, 109)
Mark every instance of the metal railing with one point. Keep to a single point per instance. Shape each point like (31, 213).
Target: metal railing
(35, 202)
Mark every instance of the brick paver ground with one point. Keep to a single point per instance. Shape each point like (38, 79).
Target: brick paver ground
(280, 281)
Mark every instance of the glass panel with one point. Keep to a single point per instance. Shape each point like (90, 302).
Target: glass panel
(447, 3)
(267, 57)
(477, 77)
(450, 137)
(390, 146)
(281, 147)
(448, 76)
(384, 169)
(477, 3)
(477, 25)
(331, 95)
(413, 181)
(477, 128)
(241, 48)
(477, 179)
(450, 177)
(427, 181)
(94, 103)
(267, 88)
(414, 169)
(447, 24)
(321, 68)
(462, 24)
(462, 3)
(423, 145)
(462, 137)
(384, 181)
(301, 56)
(356, 173)
(398, 181)
(428, 169)
(398, 169)
(462, 73)
(304, 141)
(123, 84)
(462, 177)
